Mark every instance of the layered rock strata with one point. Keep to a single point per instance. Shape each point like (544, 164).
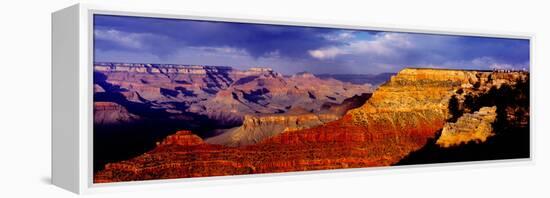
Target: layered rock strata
(399, 118)
(474, 127)
(257, 128)
(222, 94)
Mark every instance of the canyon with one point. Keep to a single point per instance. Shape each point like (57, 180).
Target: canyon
(137, 105)
(418, 116)
(220, 93)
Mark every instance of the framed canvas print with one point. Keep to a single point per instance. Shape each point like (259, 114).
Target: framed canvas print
(143, 97)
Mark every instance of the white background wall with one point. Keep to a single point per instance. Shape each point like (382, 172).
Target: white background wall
(25, 98)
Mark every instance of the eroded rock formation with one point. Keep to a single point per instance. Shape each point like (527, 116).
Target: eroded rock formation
(469, 127)
(151, 101)
(182, 138)
(401, 117)
(221, 94)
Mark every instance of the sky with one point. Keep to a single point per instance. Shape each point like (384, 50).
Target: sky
(292, 49)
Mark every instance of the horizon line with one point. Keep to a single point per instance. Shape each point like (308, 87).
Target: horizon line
(233, 67)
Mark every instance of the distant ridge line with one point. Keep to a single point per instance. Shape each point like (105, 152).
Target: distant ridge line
(452, 69)
(156, 65)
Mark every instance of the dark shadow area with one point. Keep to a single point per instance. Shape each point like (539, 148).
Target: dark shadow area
(346, 105)
(245, 80)
(101, 80)
(256, 96)
(122, 141)
(168, 92)
(454, 109)
(186, 92)
(311, 95)
(512, 144)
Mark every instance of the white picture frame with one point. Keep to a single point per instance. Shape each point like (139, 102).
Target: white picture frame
(72, 98)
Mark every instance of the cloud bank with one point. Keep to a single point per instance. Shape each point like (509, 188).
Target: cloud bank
(291, 49)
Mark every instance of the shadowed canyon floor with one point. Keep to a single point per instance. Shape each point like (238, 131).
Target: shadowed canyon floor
(418, 116)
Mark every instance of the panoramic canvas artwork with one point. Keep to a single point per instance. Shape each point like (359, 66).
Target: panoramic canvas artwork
(177, 98)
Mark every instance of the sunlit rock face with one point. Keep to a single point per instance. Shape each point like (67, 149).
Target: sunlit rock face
(183, 138)
(474, 127)
(399, 118)
(413, 104)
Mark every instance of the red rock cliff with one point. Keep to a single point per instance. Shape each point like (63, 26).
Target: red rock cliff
(400, 117)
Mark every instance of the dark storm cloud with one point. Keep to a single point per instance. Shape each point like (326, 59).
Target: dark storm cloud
(258, 40)
(291, 49)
